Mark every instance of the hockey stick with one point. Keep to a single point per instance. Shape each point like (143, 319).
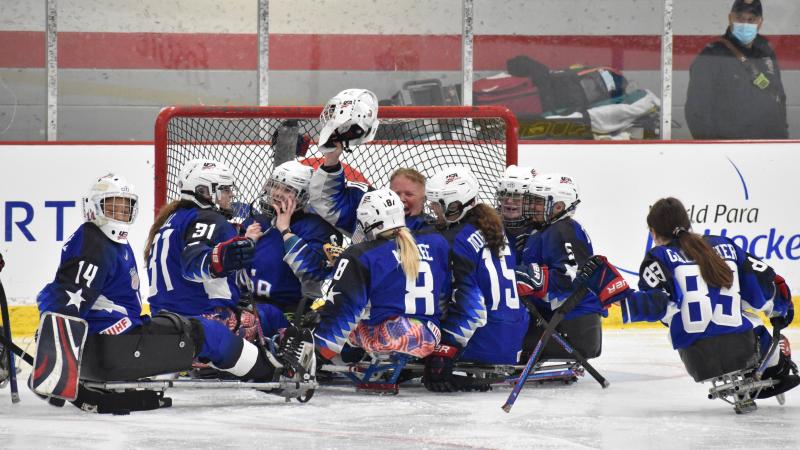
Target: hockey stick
(776, 340)
(576, 296)
(12, 371)
(540, 320)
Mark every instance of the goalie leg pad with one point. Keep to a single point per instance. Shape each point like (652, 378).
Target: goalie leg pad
(109, 402)
(58, 355)
(168, 343)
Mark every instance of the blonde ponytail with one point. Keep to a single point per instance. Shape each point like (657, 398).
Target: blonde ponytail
(409, 253)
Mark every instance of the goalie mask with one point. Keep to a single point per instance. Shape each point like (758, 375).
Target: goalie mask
(452, 193)
(291, 178)
(550, 189)
(513, 199)
(202, 181)
(112, 206)
(351, 117)
(379, 211)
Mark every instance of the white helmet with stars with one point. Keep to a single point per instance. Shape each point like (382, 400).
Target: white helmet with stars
(200, 181)
(350, 117)
(553, 188)
(291, 177)
(112, 205)
(455, 189)
(380, 210)
(513, 199)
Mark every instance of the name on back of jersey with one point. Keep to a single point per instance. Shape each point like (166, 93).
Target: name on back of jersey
(424, 253)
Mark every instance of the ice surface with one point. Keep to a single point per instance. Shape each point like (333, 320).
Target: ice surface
(652, 403)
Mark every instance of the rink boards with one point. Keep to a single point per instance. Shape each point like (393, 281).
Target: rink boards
(742, 190)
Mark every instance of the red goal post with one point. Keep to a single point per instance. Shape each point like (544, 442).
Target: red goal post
(253, 139)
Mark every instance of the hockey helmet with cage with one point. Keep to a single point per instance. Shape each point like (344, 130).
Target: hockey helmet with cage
(455, 189)
(112, 205)
(201, 180)
(291, 177)
(379, 211)
(350, 117)
(513, 199)
(550, 189)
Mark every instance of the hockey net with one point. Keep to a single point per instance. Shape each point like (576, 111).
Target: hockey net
(251, 140)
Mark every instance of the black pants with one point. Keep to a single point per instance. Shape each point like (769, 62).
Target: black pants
(583, 333)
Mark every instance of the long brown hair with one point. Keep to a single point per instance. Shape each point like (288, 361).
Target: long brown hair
(668, 220)
(491, 225)
(162, 216)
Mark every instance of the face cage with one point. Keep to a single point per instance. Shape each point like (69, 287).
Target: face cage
(266, 199)
(526, 206)
(130, 206)
(546, 209)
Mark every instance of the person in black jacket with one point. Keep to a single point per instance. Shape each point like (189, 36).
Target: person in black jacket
(735, 89)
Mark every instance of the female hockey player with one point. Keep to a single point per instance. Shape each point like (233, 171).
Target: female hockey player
(484, 322)
(550, 260)
(514, 202)
(97, 282)
(386, 291)
(291, 257)
(351, 118)
(701, 288)
(193, 254)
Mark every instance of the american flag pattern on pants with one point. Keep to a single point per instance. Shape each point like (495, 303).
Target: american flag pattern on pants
(401, 334)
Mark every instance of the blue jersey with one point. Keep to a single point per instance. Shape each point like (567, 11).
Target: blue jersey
(283, 272)
(96, 280)
(369, 285)
(485, 317)
(518, 238)
(336, 200)
(688, 305)
(180, 258)
(563, 247)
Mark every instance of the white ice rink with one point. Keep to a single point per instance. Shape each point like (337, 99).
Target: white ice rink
(652, 403)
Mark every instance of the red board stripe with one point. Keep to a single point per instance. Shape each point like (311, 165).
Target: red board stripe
(170, 51)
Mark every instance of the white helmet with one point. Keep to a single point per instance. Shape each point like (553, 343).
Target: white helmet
(350, 117)
(290, 177)
(201, 179)
(553, 188)
(513, 195)
(455, 189)
(380, 210)
(105, 214)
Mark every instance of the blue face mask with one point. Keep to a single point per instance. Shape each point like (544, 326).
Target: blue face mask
(744, 32)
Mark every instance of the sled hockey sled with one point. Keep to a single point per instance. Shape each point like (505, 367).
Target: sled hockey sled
(733, 365)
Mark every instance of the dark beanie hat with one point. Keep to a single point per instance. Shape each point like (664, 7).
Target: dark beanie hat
(751, 6)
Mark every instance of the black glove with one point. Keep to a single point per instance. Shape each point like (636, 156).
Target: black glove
(439, 369)
(233, 254)
(2, 263)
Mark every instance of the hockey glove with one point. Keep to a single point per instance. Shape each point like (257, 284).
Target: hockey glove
(603, 279)
(233, 254)
(439, 369)
(532, 280)
(784, 308)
